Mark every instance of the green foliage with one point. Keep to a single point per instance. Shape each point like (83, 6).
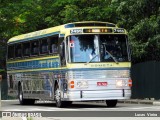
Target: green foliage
(70, 13)
(142, 34)
(139, 17)
(153, 48)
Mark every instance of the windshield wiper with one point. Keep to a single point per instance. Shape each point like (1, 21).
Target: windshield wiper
(110, 54)
(115, 60)
(92, 58)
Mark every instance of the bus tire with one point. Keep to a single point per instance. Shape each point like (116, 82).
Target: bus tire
(68, 103)
(59, 102)
(111, 103)
(23, 101)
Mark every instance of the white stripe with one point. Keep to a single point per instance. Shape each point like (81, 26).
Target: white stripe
(9, 100)
(144, 108)
(24, 118)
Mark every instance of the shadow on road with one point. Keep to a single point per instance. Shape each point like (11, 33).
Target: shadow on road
(74, 105)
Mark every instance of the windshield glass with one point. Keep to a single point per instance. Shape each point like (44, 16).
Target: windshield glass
(83, 48)
(98, 48)
(113, 48)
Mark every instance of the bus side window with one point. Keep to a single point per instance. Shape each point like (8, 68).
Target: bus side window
(18, 50)
(44, 46)
(35, 47)
(11, 51)
(53, 44)
(26, 49)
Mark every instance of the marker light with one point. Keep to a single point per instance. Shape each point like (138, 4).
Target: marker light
(72, 84)
(130, 83)
(97, 30)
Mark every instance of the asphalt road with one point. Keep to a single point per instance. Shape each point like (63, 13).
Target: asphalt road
(76, 106)
(94, 109)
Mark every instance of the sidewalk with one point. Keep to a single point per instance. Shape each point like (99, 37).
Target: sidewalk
(130, 101)
(11, 118)
(139, 101)
(43, 118)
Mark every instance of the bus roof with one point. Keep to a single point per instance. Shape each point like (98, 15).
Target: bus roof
(57, 30)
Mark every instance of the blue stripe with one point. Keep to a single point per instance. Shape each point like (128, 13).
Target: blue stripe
(35, 64)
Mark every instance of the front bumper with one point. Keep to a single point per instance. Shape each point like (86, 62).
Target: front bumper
(97, 95)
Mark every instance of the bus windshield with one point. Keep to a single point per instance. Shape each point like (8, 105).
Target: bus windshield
(98, 48)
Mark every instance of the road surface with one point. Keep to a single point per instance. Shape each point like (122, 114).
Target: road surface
(93, 109)
(77, 106)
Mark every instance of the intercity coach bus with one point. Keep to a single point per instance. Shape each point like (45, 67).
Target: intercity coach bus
(80, 61)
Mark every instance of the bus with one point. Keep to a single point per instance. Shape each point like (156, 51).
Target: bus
(79, 61)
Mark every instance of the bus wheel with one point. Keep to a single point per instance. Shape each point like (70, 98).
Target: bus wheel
(68, 103)
(23, 101)
(111, 103)
(59, 103)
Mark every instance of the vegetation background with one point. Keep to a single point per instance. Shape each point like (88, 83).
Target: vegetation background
(141, 18)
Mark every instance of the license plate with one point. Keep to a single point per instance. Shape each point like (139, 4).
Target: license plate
(101, 83)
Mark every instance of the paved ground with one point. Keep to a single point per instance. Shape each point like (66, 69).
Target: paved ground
(139, 101)
(88, 118)
(128, 105)
(81, 106)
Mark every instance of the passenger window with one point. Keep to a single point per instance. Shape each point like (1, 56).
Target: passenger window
(18, 50)
(44, 46)
(26, 49)
(35, 47)
(11, 52)
(53, 44)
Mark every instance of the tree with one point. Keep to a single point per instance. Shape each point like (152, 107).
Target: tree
(140, 18)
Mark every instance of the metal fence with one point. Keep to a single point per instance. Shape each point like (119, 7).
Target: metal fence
(146, 80)
(4, 86)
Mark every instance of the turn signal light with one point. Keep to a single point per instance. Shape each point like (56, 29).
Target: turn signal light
(72, 84)
(130, 83)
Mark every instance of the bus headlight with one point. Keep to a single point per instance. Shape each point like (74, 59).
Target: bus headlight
(121, 83)
(82, 84)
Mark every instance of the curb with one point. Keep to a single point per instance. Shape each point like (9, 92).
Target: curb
(9, 100)
(156, 103)
(131, 101)
(136, 101)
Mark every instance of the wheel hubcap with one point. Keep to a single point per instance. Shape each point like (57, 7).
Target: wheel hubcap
(57, 95)
(20, 96)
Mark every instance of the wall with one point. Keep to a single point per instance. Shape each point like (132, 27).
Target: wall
(146, 80)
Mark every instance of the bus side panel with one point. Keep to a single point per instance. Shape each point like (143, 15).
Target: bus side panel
(12, 85)
(35, 85)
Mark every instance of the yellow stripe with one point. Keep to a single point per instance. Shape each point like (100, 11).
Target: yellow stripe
(36, 33)
(100, 65)
(60, 29)
(79, 65)
(42, 58)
